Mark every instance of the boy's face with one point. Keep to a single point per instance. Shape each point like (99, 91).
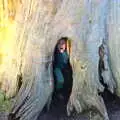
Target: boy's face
(62, 46)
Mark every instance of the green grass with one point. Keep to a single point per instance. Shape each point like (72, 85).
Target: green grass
(5, 104)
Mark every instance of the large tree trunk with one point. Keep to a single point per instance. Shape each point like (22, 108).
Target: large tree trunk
(36, 27)
(114, 42)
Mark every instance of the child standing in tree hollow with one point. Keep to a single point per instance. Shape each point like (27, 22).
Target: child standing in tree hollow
(61, 66)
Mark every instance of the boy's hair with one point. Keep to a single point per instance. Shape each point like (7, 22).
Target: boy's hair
(63, 38)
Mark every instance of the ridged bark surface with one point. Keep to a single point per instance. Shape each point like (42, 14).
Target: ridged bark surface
(36, 27)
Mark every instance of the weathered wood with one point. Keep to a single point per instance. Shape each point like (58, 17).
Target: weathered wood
(39, 24)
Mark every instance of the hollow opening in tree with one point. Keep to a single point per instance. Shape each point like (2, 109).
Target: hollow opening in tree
(101, 65)
(62, 70)
(107, 95)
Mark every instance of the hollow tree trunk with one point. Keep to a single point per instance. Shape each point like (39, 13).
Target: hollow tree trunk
(114, 42)
(37, 25)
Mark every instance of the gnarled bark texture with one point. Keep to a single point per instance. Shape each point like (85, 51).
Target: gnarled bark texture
(37, 25)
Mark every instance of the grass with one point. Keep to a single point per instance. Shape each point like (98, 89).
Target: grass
(5, 104)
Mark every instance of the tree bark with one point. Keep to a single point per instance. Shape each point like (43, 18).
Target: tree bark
(38, 26)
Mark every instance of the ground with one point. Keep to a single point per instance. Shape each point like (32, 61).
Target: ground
(58, 112)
